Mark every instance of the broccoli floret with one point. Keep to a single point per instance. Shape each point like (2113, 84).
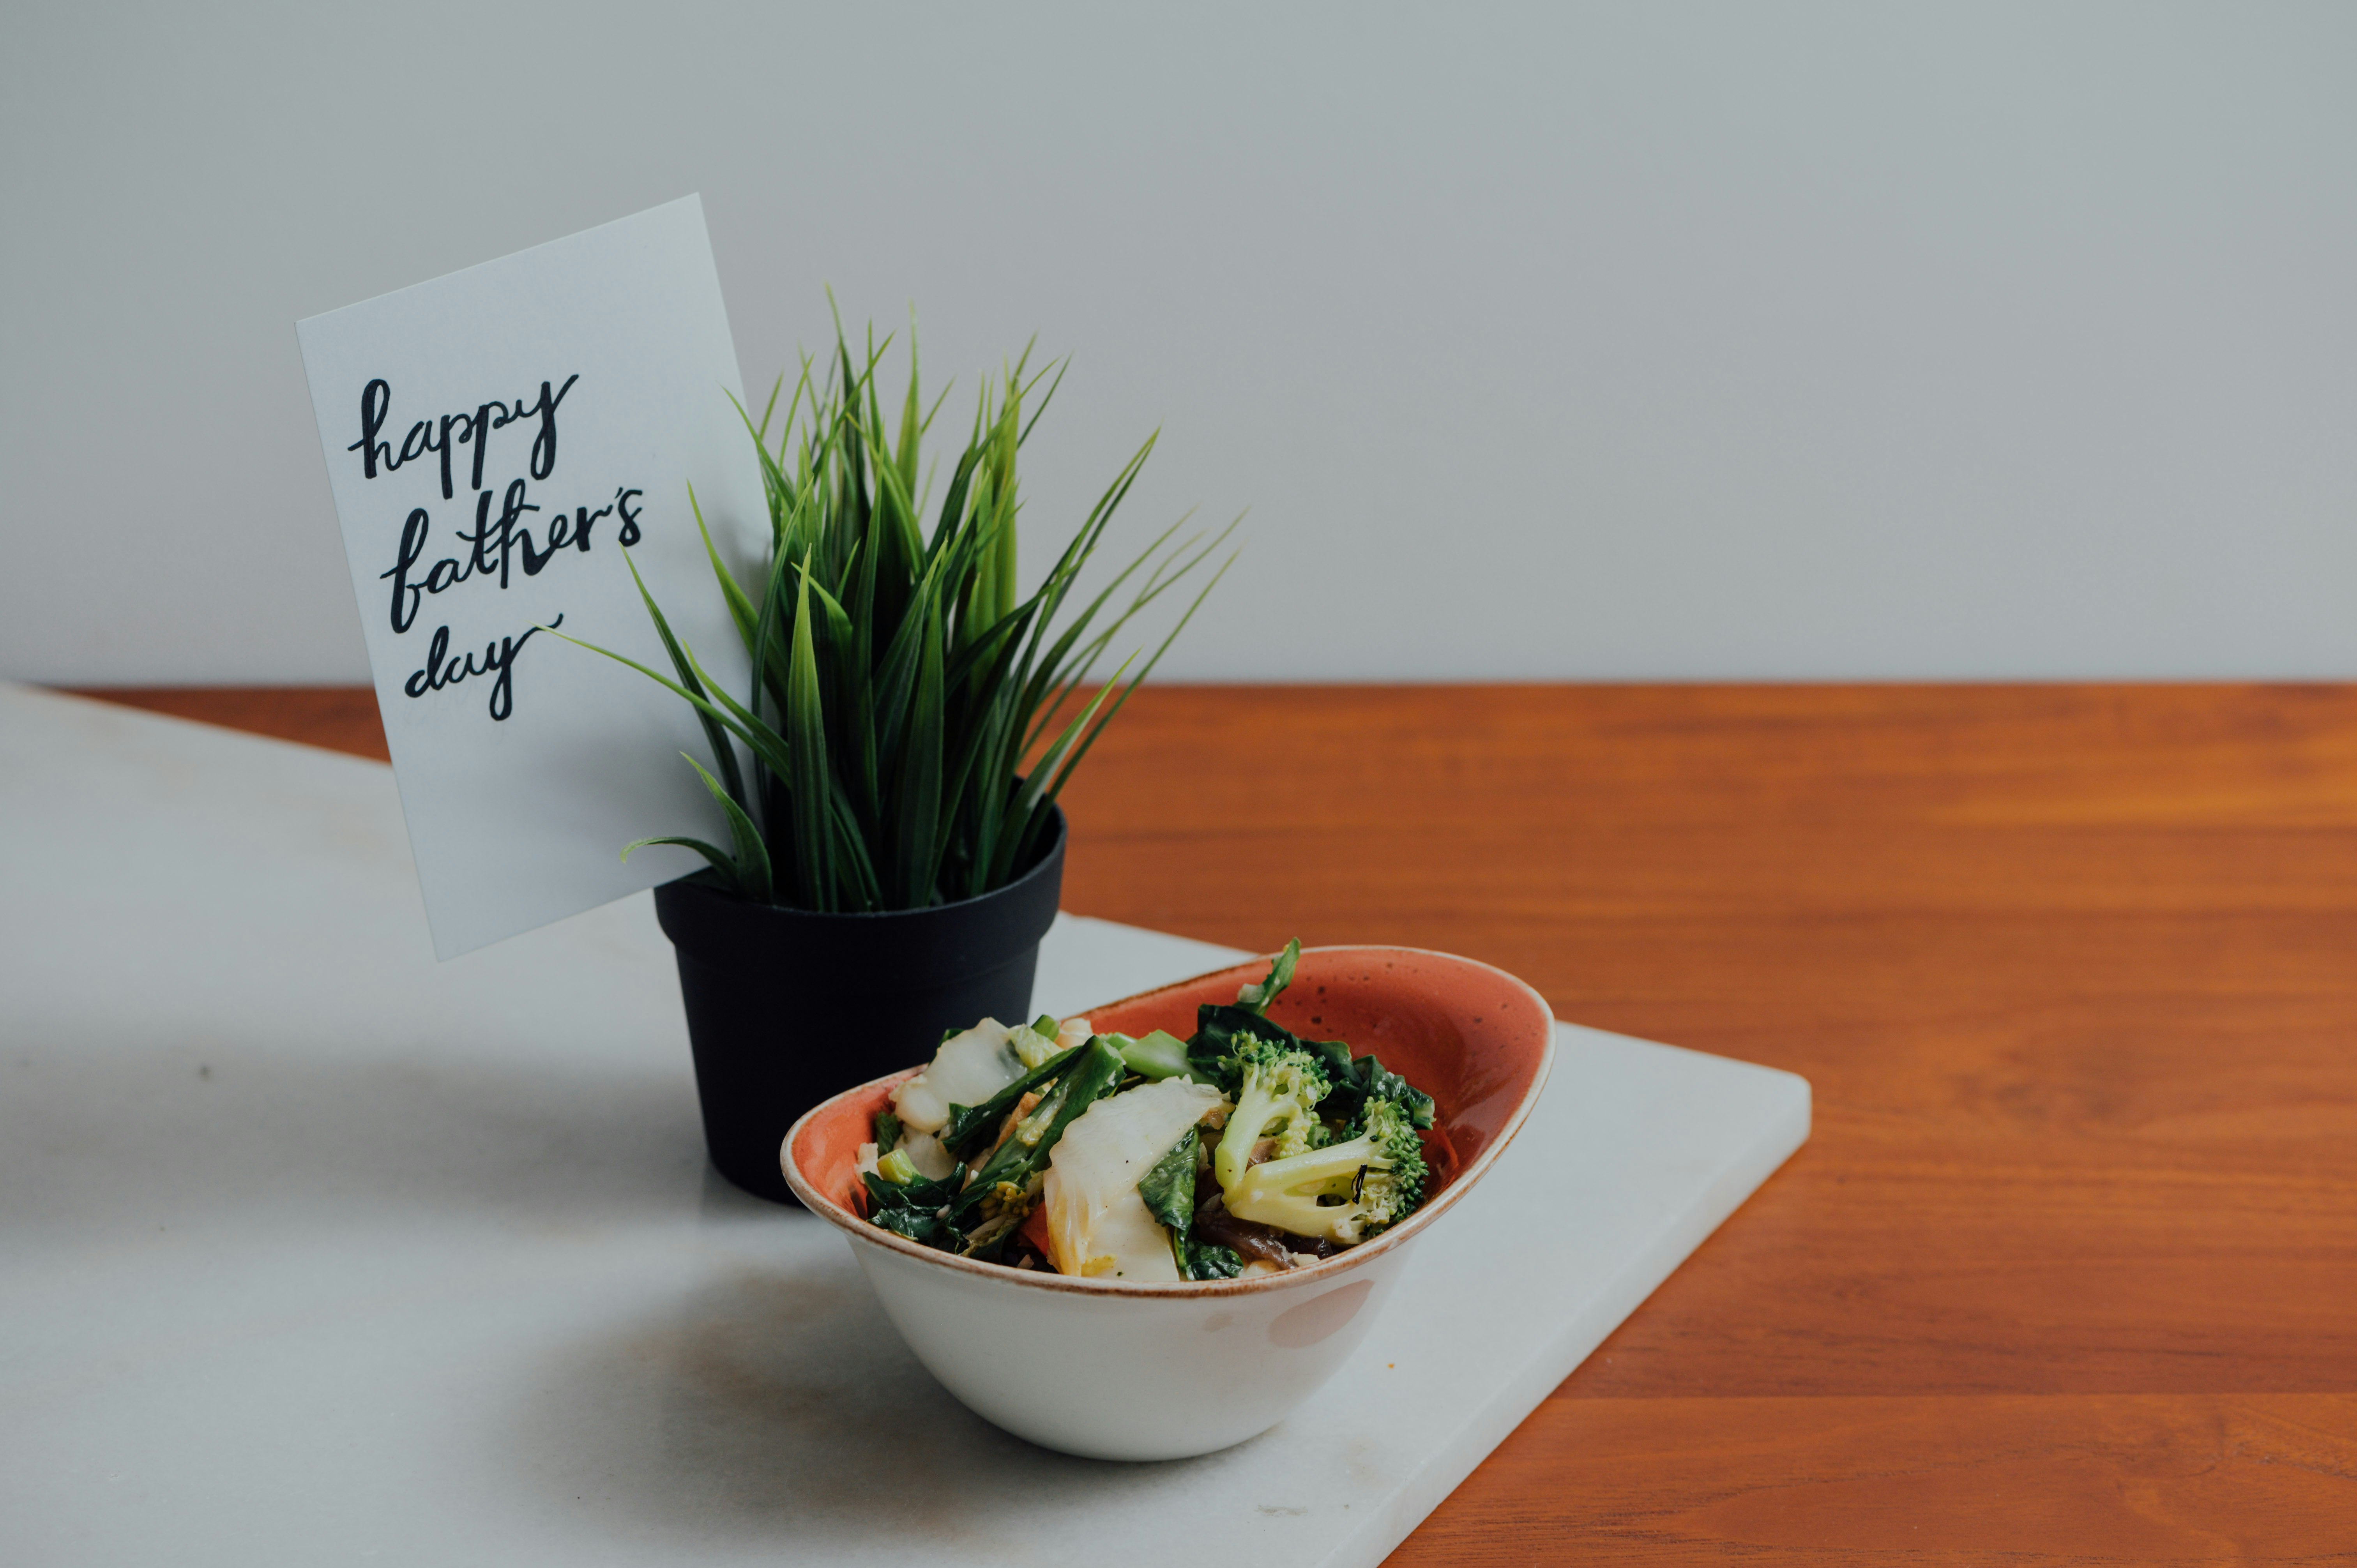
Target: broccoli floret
(1345, 1192)
(1276, 1098)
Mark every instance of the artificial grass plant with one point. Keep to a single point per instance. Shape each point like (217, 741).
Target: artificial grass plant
(897, 723)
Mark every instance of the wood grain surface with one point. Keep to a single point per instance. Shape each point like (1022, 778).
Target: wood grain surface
(2069, 1271)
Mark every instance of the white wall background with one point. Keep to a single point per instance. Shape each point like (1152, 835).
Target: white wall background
(1752, 341)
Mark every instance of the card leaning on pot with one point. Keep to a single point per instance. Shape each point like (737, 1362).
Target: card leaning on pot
(495, 439)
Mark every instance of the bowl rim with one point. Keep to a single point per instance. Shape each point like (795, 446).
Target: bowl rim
(1398, 1236)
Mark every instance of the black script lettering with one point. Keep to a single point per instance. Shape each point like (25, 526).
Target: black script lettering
(582, 518)
(510, 514)
(482, 427)
(503, 689)
(493, 542)
(421, 682)
(375, 399)
(466, 427)
(534, 560)
(544, 446)
(482, 538)
(498, 658)
(404, 592)
(442, 434)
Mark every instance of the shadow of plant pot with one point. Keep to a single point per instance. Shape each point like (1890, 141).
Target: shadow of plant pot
(788, 1007)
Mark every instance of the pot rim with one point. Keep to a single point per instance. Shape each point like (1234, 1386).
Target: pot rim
(690, 886)
(1398, 1236)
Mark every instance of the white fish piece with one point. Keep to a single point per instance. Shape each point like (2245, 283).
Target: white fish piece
(968, 1070)
(925, 1153)
(1097, 1225)
(1035, 1048)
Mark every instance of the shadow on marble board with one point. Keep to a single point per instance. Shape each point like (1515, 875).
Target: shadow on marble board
(773, 1405)
(215, 1129)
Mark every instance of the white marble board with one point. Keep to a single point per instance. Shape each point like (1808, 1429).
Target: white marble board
(313, 1249)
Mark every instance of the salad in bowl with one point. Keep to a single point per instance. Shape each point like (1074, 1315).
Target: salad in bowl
(1152, 1231)
(1243, 1150)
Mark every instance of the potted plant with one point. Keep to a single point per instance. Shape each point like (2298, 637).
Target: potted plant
(896, 849)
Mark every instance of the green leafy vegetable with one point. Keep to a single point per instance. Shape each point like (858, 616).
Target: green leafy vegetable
(1157, 1055)
(970, 1128)
(1168, 1191)
(1212, 1261)
(1357, 1081)
(1256, 998)
(1091, 1072)
(915, 1210)
(1211, 1054)
(1351, 1082)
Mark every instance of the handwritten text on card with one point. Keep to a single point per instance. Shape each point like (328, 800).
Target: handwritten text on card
(497, 544)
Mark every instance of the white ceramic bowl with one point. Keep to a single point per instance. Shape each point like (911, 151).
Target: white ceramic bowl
(1116, 1370)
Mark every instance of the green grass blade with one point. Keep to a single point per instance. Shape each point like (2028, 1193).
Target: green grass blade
(763, 741)
(719, 857)
(954, 501)
(740, 608)
(1060, 367)
(775, 484)
(813, 795)
(1036, 820)
(853, 732)
(896, 681)
(1035, 784)
(775, 388)
(1071, 671)
(770, 663)
(753, 859)
(858, 888)
(917, 788)
(912, 422)
(770, 746)
(723, 754)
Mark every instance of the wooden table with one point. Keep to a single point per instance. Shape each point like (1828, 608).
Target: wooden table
(2068, 1272)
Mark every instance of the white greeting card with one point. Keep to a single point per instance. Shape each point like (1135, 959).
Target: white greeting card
(496, 439)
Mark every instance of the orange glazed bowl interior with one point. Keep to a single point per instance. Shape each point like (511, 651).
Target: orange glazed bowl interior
(1474, 1038)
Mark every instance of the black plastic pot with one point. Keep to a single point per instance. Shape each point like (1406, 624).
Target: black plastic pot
(786, 1007)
